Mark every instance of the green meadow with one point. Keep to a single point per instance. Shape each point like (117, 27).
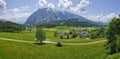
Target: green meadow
(30, 36)
(19, 50)
(16, 50)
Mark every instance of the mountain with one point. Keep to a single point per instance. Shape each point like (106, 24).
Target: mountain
(3, 20)
(48, 14)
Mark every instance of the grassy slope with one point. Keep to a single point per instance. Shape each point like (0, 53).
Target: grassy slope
(16, 50)
(30, 36)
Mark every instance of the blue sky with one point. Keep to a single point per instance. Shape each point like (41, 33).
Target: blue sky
(96, 10)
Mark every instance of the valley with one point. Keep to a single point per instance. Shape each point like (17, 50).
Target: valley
(30, 50)
(59, 29)
(14, 49)
(21, 44)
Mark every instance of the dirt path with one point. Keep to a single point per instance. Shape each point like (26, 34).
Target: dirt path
(16, 40)
(76, 43)
(52, 42)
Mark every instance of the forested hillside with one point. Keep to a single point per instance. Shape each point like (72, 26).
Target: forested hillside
(7, 26)
(70, 22)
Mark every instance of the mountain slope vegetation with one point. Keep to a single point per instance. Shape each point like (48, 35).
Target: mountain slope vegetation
(7, 26)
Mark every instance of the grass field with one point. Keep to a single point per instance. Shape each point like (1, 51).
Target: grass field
(66, 28)
(16, 50)
(30, 36)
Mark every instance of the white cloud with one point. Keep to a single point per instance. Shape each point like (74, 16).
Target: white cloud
(42, 2)
(3, 4)
(24, 8)
(14, 10)
(15, 15)
(51, 5)
(103, 18)
(81, 6)
(65, 3)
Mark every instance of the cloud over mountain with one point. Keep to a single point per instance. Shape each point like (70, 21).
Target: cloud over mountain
(103, 18)
(79, 8)
(17, 15)
(65, 3)
(2, 4)
(96, 10)
(51, 5)
(42, 2)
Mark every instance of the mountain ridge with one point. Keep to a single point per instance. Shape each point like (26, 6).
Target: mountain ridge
(48, 14)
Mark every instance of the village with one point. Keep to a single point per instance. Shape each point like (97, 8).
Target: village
(85, 34)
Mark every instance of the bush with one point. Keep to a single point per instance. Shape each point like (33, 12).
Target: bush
(56, 34)
(115, 56)
(59, 44)
(61, 37)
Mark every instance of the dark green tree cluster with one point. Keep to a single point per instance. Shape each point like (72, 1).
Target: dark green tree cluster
(98, 33)
(70, 22)
(40, 35)
(47, 25)
(113, 36)
(10, 27)
(29, 28)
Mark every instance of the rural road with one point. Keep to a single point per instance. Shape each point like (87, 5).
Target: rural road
(53, 42)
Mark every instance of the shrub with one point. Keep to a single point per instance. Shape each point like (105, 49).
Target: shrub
(59, 44)
(61, 37)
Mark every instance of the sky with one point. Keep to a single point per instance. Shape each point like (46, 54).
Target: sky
(96, 10)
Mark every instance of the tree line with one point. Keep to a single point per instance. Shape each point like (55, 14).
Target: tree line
(10, 27)
(70, 22)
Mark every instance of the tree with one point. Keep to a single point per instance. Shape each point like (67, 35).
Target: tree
(113, 36)
(40, 35)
